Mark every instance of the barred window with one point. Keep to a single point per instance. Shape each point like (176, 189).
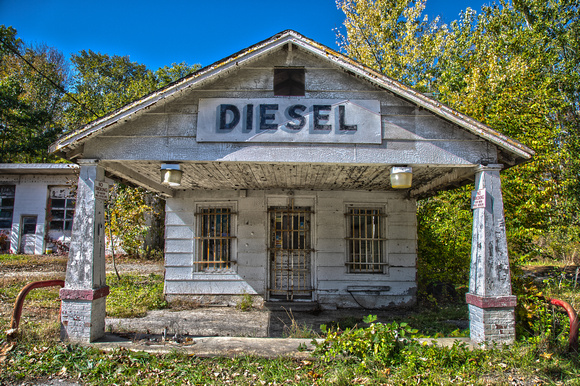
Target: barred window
(365, 239)
(214, 239)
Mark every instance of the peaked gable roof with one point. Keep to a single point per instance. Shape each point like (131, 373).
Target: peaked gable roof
(518, 152)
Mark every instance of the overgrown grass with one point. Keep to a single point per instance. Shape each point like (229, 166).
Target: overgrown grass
(9, 257)
(298, 330)
(134, 295)
(521, 363)
(56, 263)
(547, 262)
(439, 322)
(541, 359)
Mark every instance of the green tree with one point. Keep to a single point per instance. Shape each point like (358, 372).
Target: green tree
(30, 104)
(506, 72)
(127, 218)
(514, 67)
(392, 37)
(104, 83)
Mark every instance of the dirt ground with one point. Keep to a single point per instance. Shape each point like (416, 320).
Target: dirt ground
(274, 320)
(55, 266)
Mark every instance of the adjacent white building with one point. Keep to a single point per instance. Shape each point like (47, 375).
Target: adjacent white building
(37, 205)
(287, 170)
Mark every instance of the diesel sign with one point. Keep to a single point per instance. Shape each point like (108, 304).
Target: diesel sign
(289, 120)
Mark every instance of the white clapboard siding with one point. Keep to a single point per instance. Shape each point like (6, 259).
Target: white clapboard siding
(179, 259)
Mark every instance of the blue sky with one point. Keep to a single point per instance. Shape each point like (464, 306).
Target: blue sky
(159, 33)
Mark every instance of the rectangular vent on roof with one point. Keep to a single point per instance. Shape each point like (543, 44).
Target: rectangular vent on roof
(289, 82)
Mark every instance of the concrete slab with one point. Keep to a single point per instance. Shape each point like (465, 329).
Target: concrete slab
(214, 346)
(256, 323)
(227, 331)
(236, 346)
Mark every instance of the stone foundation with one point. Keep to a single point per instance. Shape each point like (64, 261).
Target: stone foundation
(492, 325)
(82, 320)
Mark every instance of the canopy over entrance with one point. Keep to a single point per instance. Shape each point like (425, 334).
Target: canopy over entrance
(289, 123)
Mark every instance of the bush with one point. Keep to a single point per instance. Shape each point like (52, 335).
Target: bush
(444, 240)
(4, 241)
(378, 342)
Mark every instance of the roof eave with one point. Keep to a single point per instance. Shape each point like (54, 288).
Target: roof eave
(418, 98)
(132, 108)
(521, 151)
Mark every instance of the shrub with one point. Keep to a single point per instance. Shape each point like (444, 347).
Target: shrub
(378, 342)
(4, 241)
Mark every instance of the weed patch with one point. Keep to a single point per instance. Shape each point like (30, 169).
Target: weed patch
(9, 257)
(134, 295)
(378, 342)
(246, 302)
(297, 330)
(521, 363)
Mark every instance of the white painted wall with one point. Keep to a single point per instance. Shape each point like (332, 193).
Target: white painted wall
(330, 277)
(31, 199)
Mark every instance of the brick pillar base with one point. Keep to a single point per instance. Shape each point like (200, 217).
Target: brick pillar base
(492, 319)
(82, 314)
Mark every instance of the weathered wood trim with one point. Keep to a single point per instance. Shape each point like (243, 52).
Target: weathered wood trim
(457, 174)
(136, 178)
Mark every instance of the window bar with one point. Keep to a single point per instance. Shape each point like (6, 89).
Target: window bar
(360, 245)
(362, 233)
(301, 255)
(223, 230)
(227, 233)
(204, 242)
(278, 252)
(367, 240)
(208, 232)
(213, 240)
(290, 254)
(277, 236)
(218, 232)
(377, 246)
(351, 241)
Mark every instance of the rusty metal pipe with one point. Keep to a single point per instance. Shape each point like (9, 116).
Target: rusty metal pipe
(574, 322)
(19, 303)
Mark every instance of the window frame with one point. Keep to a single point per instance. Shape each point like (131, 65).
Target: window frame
(68, 211)
(5, 198)
(373, 267)
(207, 266)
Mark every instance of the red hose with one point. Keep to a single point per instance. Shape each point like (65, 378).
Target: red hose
(19, 303)
(574, 322)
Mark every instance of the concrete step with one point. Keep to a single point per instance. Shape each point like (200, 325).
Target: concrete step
(296, 306)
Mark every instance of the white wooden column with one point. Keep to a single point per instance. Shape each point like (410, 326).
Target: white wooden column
(490, 299)
(83, 297)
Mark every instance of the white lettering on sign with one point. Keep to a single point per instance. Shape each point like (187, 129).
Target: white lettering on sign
(478, 198)
(101, 190)
(289, 120)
